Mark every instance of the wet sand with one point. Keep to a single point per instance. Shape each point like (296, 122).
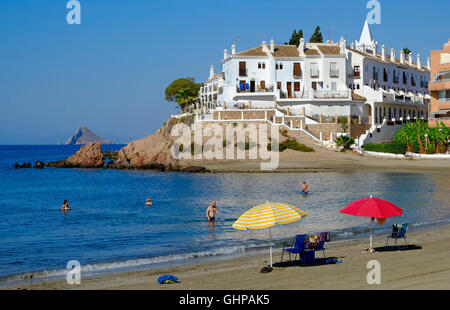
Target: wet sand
(424, 265)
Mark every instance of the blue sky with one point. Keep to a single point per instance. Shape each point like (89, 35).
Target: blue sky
(110, 72)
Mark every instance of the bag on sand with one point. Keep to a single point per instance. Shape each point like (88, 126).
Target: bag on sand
(167, 279)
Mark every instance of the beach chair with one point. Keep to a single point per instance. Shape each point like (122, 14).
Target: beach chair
(297, 247)
(398, 231)
(321, 247)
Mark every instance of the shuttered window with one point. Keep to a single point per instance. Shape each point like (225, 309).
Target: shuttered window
(297, 69)
(242, 68)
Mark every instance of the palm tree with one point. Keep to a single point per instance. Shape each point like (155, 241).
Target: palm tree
(184, 97)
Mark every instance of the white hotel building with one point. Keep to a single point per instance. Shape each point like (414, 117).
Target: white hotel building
(360, 80)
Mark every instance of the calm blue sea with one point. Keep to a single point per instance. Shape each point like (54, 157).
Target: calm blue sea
(109, 228)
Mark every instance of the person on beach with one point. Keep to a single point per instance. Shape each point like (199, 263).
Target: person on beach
(211, 211)
(65, 207)
(305, 188)
(149, 202)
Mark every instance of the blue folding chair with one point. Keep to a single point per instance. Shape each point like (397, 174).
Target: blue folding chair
(321, 247)
(297, 247)
(398, 231)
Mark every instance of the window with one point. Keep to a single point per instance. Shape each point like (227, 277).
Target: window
(242, 68)
(263, 65)
(314, 70)
(356, 71)
(296, 86)
(334, 72)
(385, 75)
(444, 95)
(259, 65)
(297, 69)
(278, 85)
(263, 84)
(277, 66)
(281, 66)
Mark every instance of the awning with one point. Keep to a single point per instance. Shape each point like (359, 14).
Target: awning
(440, 112)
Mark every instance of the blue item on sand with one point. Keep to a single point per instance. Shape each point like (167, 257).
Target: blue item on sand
(333, 261)
(167, 279)
(304, 193)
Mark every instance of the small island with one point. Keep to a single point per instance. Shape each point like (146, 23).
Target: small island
(85, 136)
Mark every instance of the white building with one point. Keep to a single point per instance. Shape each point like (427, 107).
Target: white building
(328, 79)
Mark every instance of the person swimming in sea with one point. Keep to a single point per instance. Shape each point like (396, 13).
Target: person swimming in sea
(211, 211)
(149, 202)
(65, 207)
(305, 188)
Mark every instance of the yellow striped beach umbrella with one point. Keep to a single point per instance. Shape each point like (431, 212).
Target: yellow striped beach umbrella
(267, 215)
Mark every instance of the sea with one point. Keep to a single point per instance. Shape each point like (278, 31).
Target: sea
(109, 228)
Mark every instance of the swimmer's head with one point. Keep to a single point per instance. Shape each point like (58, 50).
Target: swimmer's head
(148, 199)
(66, 201)
(213, 202)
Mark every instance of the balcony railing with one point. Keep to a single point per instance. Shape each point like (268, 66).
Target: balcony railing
(314, 73)
(334, 73)
(332, 94)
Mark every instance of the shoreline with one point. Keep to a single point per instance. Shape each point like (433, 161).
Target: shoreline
(403, 269)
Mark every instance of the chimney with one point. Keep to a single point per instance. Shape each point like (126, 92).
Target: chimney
(342, 45)
(211, 72)
(402, 57)
(428, 63)
(410, 59)
(263, 44)
(419, 64)
(233, 49)
(272, 46)
(383, 52)
(301, 47)
(362, 48)
(392, 55)
(225, 54)
(375, 50)
(352, 46)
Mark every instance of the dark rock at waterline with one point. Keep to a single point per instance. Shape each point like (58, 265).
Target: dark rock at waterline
(39, 165)
(23, 166)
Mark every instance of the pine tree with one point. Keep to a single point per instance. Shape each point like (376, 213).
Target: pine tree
(295, 38)
(317, 36)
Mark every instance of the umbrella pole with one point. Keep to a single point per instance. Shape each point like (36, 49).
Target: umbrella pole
(270, 237)
(371, 234)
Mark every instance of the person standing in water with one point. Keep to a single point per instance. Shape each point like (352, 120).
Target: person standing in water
(211, 211)
(305, 188)
(65, 207)
(149, 202)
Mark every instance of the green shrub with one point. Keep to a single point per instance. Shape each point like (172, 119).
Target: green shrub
(344, 141)
(392, 148)
(294, 145)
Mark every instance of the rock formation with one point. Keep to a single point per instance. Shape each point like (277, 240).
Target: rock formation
(88, 156)
(84, 136)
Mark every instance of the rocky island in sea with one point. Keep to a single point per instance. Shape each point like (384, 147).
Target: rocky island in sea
(85, 136)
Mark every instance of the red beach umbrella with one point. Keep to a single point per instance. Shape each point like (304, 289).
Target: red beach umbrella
(373, 208)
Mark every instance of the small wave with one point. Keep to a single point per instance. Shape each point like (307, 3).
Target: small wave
(131, 264)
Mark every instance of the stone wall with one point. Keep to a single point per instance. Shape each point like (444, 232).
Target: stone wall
(356, 130)
(326, 130)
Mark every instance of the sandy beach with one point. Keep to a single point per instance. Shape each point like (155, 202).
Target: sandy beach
(425, 265)
(325, 161)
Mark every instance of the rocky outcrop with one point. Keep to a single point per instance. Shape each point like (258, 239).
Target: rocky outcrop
(150, 153)
(152, 150)
(88, 156)
(23, 166)
(85, 136)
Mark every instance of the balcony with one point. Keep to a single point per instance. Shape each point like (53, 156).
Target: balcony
(243, 72)
(315, 73)
(331, 94)
(334, 73)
